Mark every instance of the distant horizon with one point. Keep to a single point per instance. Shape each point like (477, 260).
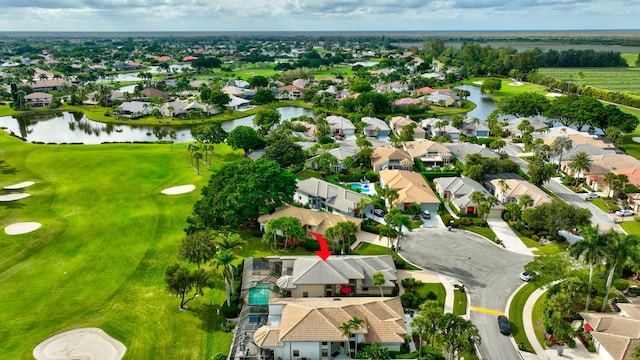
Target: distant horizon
(317, 16)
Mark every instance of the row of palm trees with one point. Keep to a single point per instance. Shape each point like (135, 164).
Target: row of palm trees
(611, 250)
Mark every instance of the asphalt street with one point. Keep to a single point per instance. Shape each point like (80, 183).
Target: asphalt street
(489, 273)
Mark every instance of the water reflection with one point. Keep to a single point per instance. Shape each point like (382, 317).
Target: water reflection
(75, 127)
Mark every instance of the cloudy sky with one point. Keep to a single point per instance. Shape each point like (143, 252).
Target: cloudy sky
(316, 15)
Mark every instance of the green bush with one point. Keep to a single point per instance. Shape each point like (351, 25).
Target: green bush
(432, 296)
(621, 284)
(325, 140)
(409, 300)
(371, 228)
(229, 312)
(410, 283)
(311, 245)
(479, 222)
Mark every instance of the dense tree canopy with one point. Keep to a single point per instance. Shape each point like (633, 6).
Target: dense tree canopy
(245, 138)
(285, 152)
(240, 192)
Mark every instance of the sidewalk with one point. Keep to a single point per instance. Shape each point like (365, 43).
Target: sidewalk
(509, 239)
(577, 353)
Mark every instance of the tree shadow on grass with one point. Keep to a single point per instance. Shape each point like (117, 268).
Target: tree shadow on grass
(12, 205)
(210, 316)
(7, 169)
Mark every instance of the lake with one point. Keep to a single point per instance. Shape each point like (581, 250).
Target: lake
(70, 127)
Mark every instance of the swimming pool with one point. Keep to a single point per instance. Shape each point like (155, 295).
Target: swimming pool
(259, 295)
(367, 189)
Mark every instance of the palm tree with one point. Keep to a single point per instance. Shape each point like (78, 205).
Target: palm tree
(229, 241)
(457, 335)
(504, 186)
(559, 146)
(349, 327)
(580, 163)
(426, 322)
(592, 251)
(525, 201)
(173, 136)
(608, 179)
(378, 280)
(389, 232)
(619, 249)
(224, 259)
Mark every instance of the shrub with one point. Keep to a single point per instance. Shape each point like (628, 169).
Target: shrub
(311, 245)
(410, 283)
(229, 312)
(409, 300)
(432, 296)
(621, 284)
(325, 140)
(371, 228)
(535, 237)
(480, 222)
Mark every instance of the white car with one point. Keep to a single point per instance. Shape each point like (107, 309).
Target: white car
(525, 276)
(625, 212)
(591, 196)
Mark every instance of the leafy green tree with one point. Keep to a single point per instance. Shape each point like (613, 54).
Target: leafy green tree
(344, 230)
(266, 119)
(549, 268)
(525, 201)
(181, 281)
(325, 162)
(263, 96)
(591, 250)
(285, 152)
(198, 247)
(457, 335)
(258, 81)
(540, 172)
(562, 330)
(491, 85)
(397, 220)
(527, 104)
(374, 352)
(378, 280)
(426, 323)
(555, 216)
(240, 192)
(245, 138)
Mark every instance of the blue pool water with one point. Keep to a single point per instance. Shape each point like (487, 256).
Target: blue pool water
(367, 189)
(259, 295)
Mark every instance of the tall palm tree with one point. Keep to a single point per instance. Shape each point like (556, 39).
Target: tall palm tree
(559, 146)
(608, 179)
(525, 201)
(592, 251)
(229, 241)
(349, 327)
(224, 259)
(457, 335)
(378, 280)
(619, 249)
(580, 164)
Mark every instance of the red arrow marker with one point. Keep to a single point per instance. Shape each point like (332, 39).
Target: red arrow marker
(324, 252)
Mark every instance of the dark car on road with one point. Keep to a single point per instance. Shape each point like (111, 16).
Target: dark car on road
(505, 326)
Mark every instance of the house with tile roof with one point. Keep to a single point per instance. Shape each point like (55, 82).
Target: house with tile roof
(341, 126)
(310, 328)
(432, 154)
(513, 190)
(311, 220)
(398, 122)
(38, 99)
(412, 188)
(349, 275)
(457, 191)
(323, 195)
(615, 335)
(389, 157)
(289, 92)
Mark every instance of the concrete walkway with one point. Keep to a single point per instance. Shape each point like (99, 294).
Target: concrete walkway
(577, 353)
(509, 239)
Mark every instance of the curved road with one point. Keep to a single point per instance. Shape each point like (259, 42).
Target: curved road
(489, 272)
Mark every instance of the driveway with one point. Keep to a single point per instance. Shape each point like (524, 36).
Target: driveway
(489, 272)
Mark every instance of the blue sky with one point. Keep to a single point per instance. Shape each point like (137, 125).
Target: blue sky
(316, 15)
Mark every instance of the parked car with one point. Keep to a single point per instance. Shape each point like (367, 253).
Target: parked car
(591, 196)
(426, 214)
(525, 276)
(504, 325)
(379, 212)
(625, 212)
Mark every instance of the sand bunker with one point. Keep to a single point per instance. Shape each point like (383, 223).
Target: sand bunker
(179, 190)
(516, 83)
(21, 185)
(85, 343)
(21, 228)
(13, 197)
(479, 82)
(553, 94)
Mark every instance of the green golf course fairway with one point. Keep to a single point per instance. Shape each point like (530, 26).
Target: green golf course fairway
(99, 258)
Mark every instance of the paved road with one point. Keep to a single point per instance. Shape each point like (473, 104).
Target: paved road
(489, 272)
(598, 217)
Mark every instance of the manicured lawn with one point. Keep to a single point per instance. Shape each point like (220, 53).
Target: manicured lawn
(459, 302)
(99, 258)
(308, 173)
(515, 315)
(435, 288)
(631, 227)
(482, 231)
(538, 328)
(371, 249)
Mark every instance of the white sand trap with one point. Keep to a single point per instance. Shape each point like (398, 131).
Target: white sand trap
(553, 94)
(516, 83)
(21, 185)
(21, 228)
(85, 343)
(13, 197)
(176, 190)
(479, 82)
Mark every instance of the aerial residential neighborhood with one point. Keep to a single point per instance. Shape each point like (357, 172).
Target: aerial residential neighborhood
(327, 196)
